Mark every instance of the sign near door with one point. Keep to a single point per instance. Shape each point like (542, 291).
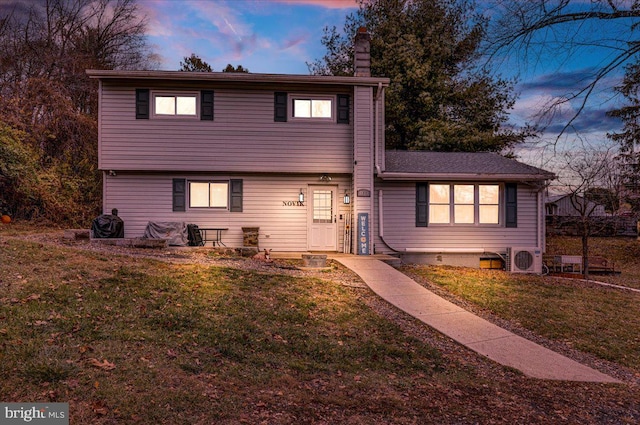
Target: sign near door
(363, 234)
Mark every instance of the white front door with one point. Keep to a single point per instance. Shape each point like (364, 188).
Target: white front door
(322, 218)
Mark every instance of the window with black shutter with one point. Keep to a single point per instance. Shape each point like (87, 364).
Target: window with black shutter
(511, 204)
(280, 107)
(343, 109)
(422, 202)
(142, 104)
(179, 194)
(236, 195)
(206, 105)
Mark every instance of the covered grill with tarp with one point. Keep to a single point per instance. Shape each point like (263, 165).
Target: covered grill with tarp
(107, 226)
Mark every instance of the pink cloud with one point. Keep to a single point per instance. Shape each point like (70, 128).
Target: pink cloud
(295, 40)
(156, 13)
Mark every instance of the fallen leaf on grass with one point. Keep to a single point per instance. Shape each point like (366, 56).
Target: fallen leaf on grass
(84, 348)
(99, 408)
(279, 338)
(104, 364)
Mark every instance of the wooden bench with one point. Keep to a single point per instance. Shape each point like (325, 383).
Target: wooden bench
(598, 264)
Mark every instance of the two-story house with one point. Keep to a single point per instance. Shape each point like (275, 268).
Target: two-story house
(303, 159)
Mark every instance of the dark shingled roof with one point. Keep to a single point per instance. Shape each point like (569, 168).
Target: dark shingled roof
(473, 163)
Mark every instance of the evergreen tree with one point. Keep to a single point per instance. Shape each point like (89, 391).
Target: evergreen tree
(194, 63)
(437, 98)
(239, 68)
(629, 138)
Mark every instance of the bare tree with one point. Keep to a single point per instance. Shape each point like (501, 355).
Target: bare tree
(533, 30)
(45, 92)
(586, 171)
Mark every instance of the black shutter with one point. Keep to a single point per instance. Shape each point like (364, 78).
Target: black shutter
(236, 195)
(422, 204)
(142, 104)
(206, 105)
(343, 109)
(280, 107)
(511, 204)
(179, 194)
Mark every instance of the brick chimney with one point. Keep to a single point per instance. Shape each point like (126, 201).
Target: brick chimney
(362, 59)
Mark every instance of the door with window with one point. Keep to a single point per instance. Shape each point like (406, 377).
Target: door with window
(322, 218)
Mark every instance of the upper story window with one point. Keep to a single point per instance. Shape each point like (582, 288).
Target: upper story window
(313, 108)
(464, 204)
(175, 105)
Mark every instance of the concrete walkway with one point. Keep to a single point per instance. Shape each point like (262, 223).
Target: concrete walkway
(468, 329)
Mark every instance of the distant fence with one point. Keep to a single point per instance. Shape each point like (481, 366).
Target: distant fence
(601, 226)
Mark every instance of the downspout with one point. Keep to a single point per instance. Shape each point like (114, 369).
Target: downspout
(376, 157)
(376, 118)
(381, 222)
(542, 243)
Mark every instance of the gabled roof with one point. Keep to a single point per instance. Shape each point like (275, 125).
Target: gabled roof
(555, 198)
(458, 166)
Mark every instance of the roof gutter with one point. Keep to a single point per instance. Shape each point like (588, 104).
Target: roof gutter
(235, 77)
(394, 176)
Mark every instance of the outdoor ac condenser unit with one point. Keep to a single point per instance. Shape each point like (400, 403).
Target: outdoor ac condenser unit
(524, 260)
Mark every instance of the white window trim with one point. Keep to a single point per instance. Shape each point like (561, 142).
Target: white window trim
(476, 206)
(209, 182)
(307, 96)
(170, 93)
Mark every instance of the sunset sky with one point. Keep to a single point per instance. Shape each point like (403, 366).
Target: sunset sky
(282, 36)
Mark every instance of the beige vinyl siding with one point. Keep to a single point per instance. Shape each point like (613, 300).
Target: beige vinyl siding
(143, 198)
(401, 233)
(363, 156)
(243, 136)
